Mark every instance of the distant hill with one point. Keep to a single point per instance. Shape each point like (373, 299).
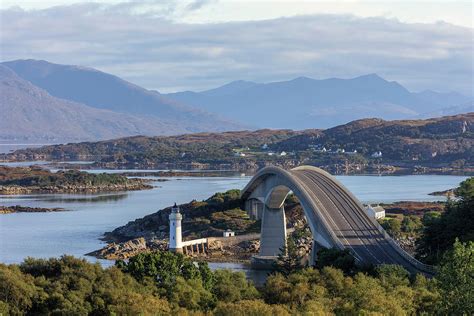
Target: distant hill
(29, 113)
(437, 142)
(308, 103)
(103, 91)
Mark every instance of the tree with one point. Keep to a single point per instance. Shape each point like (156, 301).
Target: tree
(250, 308)
(339, 259)
(392, 226)
(456, 279)
(289, 259)
(17, 290)
(233, 286)
(457, 221)
(466, 189)
(430, 217)
(164, 267)
(191, 295)
(392, 275)
(411, 224)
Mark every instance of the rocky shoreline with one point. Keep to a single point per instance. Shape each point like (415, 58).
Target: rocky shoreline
(26, 209)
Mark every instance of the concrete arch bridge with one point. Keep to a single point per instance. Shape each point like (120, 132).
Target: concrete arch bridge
(335, 216)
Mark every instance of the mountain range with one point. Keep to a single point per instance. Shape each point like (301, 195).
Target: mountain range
(42, 101)
(309, 103)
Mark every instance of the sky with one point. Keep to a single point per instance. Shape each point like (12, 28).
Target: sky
(172, 45)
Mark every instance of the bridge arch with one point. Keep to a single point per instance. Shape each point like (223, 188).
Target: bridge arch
(335, 216)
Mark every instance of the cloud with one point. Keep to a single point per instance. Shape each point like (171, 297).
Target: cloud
(198, 4)
(139, 42)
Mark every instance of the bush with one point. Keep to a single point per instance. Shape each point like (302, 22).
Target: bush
(340, 259)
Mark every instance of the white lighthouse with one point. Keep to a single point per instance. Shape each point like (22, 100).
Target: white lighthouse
(176, 242)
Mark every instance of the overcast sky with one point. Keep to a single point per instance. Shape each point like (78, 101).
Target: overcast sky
(174, 45)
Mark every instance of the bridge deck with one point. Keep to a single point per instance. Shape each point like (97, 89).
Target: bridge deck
(349, 221)
(331, 208)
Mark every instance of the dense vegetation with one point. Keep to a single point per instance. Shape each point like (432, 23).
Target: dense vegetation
(163, 283)
(36, 176)
(443, 141)
(457, 221)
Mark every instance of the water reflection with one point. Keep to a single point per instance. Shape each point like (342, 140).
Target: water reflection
(67, 198)
(86, 198)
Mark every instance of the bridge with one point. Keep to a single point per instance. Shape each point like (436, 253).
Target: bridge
(335, 216)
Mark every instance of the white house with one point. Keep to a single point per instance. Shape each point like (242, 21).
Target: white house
(377, 154)
(229, 233)
(283, 153)
(375, 212)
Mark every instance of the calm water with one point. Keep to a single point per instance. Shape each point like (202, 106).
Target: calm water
(77, 232)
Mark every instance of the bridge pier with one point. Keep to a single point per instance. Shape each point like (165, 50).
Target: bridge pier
(273, 236)
(254, 208)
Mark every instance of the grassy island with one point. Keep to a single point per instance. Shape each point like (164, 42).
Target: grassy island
(25, 180)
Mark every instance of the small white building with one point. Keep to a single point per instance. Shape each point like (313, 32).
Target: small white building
(377, 154)
(240, 154)
(376, 212)
(264, 146)
(283, 153)
(229, 233)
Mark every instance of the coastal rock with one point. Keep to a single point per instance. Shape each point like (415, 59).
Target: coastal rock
(121, 250)
(127, 249)
(26, 209)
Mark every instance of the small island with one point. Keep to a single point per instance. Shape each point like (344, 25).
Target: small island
(34, 179)
(26, 209)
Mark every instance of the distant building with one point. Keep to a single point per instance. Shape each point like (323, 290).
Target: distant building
(377, 154)
(283, 153)
(240, 154)
(264, 146)
(271, 154)
(229, 233)
(375, 212)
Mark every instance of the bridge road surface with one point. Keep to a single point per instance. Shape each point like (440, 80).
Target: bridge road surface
(349, 221)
